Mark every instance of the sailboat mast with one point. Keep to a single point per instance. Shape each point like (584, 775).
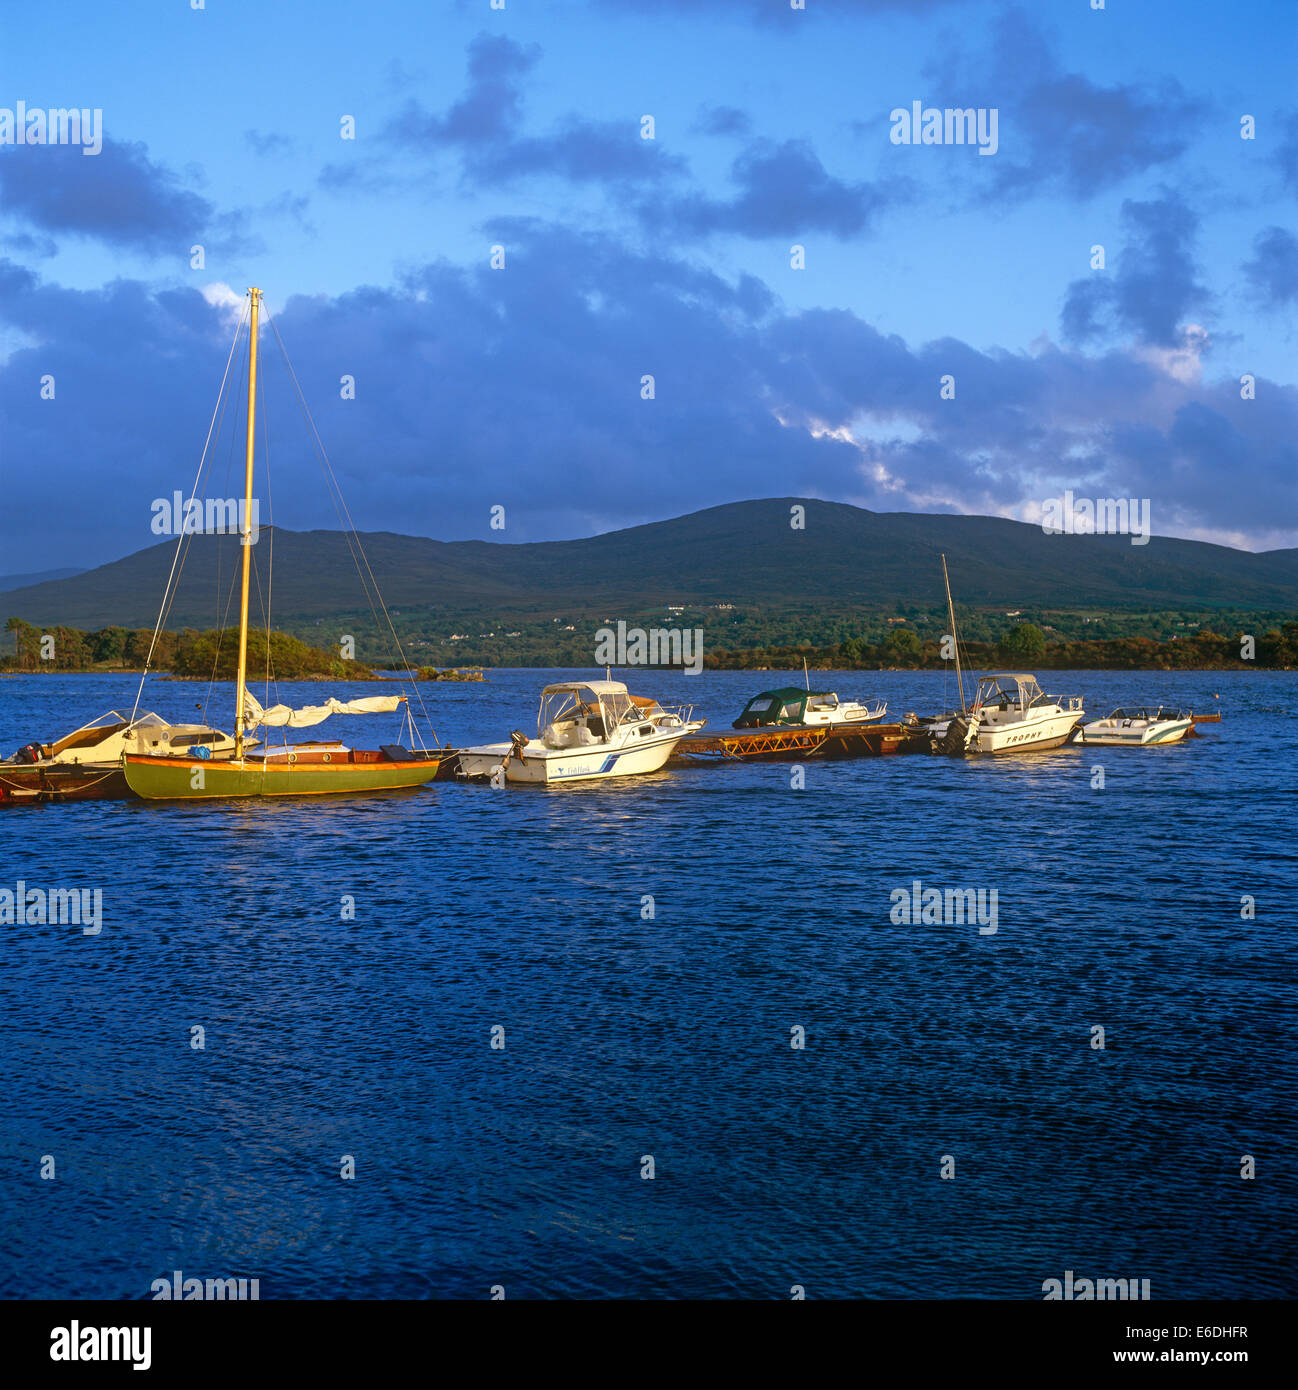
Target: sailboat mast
(244, 530)
(955, 640)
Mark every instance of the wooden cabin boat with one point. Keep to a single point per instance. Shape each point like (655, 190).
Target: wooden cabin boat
(86, 765)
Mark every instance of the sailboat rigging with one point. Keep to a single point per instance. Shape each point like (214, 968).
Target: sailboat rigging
(309, 769)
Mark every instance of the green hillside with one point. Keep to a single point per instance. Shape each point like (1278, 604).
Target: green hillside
(846, 561)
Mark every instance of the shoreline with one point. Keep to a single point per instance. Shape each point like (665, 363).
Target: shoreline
(378, 675)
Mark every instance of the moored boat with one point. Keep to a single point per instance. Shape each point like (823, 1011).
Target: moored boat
(585, 730)
(86, 765)
(301, 770)
(1011, 713)
(791, 707)
(1139, 726)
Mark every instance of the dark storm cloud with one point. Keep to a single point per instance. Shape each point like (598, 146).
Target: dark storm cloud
(780, 190)
(523, 387)
(780, 11)
(722, 120)
(1273, 269)
(268, 143)
(482, 128)
(1060, 131)
(1148, 285)
(1285, 158)
(119, 196)
(491, 105)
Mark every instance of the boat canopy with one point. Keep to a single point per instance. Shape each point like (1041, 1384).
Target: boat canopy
(595, 687)
(1007, 687)
(602, 705)
(787, 705)
(280, 715)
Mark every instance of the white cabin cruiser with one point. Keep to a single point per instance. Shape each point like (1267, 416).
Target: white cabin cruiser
(586, 729)
(1010, 713)
(1139, 726)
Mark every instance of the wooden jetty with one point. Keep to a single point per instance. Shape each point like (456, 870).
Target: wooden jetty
(808, 741)
(804, 741)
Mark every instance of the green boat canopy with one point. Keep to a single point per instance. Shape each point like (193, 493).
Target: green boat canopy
(787, 705)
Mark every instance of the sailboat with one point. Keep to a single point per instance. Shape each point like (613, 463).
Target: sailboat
(308, 769)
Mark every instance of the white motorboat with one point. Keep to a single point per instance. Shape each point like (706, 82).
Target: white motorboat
(585, 729)
(1010, 712)
(1139, 726)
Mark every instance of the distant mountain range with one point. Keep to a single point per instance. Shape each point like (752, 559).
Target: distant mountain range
(24, 581)
(741, 553)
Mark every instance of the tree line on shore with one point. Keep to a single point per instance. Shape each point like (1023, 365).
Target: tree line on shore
(1026, 645)
(213, 654)
(190, 654)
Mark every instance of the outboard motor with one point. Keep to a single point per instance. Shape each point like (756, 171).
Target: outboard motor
(960, 734)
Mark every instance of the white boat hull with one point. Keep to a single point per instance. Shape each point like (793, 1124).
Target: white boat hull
(539, 764)
(1173, 731)
(839, 719)
(1044, 731)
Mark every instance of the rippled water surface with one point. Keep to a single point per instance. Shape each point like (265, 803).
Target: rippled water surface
(670, 1037)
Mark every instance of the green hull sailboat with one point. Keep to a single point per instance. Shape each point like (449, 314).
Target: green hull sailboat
(308, 774)
(308, 769)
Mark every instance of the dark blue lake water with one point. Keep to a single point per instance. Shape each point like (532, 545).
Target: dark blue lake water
(626, 1038)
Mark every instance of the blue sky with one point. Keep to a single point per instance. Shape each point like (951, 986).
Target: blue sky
(521, 387)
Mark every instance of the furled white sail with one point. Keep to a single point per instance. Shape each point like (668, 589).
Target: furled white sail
(279, 715)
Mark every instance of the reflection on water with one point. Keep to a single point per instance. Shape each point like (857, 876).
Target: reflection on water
(329, 1032)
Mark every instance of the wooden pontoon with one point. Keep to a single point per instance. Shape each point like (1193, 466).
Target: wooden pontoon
(863, 741)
